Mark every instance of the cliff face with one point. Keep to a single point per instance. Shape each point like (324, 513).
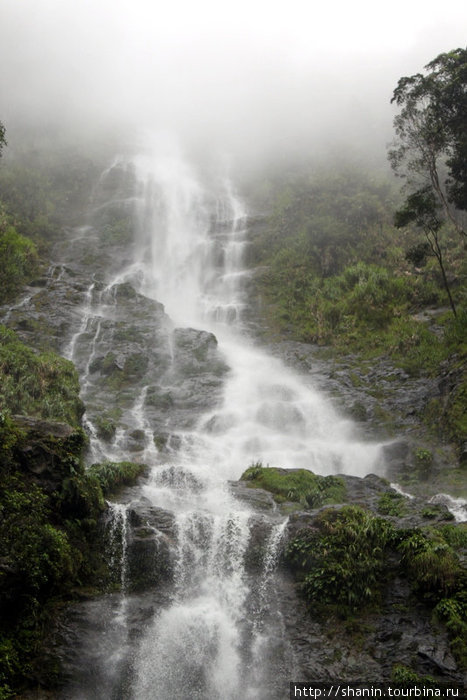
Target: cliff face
(49, 543)
(361, 582)
(371, 587)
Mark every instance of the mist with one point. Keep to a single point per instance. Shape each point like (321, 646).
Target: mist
(256, 80)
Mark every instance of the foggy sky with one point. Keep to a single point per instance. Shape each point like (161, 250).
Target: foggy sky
(249, 77)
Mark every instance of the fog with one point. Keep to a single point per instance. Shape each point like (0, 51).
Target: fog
(255, 79)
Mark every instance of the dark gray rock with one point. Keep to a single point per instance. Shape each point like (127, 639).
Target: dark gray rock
(143, 513)
(258, 499)
(196, 352)
(463, 456)
(150, 543)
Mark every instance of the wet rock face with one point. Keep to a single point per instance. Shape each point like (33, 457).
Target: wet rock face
(126, 350)
(380, 396)
(195, 352)
(258, 499)
(367, 650)
(147, 549)
(84, 658)
(397, 629)
(385, 401)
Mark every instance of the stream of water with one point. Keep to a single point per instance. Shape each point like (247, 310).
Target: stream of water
(216, 637)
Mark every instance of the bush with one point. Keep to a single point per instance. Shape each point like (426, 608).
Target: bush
(18, 260)
(114, 475)
(453, 613)
(36, 551)
(432, 565)
(342, 557)
(391, 504)
(49, 539)
(43, 385)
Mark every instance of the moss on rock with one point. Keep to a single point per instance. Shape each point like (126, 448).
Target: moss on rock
(49, 536)
(296, 485)
(347, 559)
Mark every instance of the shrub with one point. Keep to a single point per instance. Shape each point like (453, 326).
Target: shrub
(391, 504)
(342, 557)
(403, 676)
(43, 385)
(423, 462)
(453, 612)
(18, 260)
(432, 565)
(113, 475)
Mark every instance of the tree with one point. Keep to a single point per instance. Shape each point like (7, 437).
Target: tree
(2, 138)
(431, 146)
(431, 150)
(422, 209)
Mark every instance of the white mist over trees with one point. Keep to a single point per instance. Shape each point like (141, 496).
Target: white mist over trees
(253, 79)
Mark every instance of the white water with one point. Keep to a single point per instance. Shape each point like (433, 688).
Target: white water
(188, 255)
(457, 506)
(190, 258)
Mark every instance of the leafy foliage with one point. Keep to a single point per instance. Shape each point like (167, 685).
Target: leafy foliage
(430, 559)
(404, 676)
(431, 125)
(342, 557)
(42, 559)
(48, 537)
(43, 385)
(331, 268)
(113, 475)
(431, 563)
(2, 138)
(18, 259)
(430, 132)
(391, 504)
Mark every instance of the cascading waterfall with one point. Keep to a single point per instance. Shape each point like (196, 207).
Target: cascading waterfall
(188, 248)
(117, 527)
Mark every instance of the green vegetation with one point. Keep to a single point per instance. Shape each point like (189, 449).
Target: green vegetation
(430, 559)
(404, 676)
(115, 227)
(346, 557)
(49, 539)
(341, 559)
(430, 130)
(49, 506)
(18, 259)
(42, 385)
(435, 512)
(333, 270)
(391, 504)
(296, 485)
(105, 427)
(42, 189)
(112, 476)
(330, 276)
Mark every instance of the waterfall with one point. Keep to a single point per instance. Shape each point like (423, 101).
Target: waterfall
(218, 633)
(117, 527)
